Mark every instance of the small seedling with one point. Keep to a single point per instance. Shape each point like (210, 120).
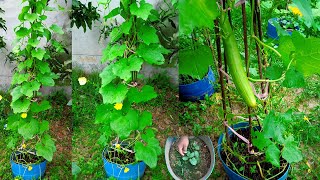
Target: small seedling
(193, 155)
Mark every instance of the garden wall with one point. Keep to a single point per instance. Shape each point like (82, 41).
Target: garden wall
(87, 48)
(12, 9)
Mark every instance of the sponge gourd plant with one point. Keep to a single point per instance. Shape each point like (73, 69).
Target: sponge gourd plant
(30, 131)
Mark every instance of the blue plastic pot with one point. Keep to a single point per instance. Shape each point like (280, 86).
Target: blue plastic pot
(231, 174)
(136, 170)
(198, 90)
(21, 170)
(272, 30)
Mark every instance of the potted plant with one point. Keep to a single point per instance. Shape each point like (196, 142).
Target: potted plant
(285, 24)
(126, 133)
(196, 51)
(264, 148)
(30, 140)
(197, 163)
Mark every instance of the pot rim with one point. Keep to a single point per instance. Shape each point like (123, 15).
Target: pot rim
(104, 158)
(19, 152)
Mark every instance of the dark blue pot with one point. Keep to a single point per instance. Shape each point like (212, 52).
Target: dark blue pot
(231, 174)
(272, 30)
(136, 170)
(198, 90)
(21, 170)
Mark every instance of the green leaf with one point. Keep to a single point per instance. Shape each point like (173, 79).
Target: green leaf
(13, 122)
(143, 11)
(46, 147)
(307, 55)
(125, 124)
(105, 113)
(115, 34)
(28, 130)
(30, 17)
(145, 94)
(145, 120)
(152, 53)
(56, 29)
(39, 53)
(43, 67)
(28, 88)
(148, 34)
(16, 93)
(20, 106)
(124, 67)
(146, 154)
(47, 79)
(19, 78)
(273, 155)
(112, 52)
(305, 8)
(33, 42)
(126, 26)
(195, 63)
(44, 126)
(22, 32)
(112, 13)
(24, 10)
(102, 140)
(290, 152)
(274, 71)
(293, 79)
(260, 141)
(196, 14)
(113, 93)
(46, 33)
(107, 75)
(193, 161)
(268, 125)
(44, 105)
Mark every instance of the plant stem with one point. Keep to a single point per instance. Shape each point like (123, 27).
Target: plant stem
(265, 45)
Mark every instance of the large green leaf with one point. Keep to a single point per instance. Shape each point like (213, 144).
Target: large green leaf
(293, 79)
(107, 75)
(44, 126)
(30, 17)
(113, 93)
(27, 88)
(16, 93)
(105, 113)
(19, 78)
(43, 67)
(146, 154)
(305, 8)
(142, 11)
(290, 152)
(260, 141)
(22, 32)
(196, 14)
(152, 53)
(20, 106)
(46, 147)
(44, 105)
(195, 63)
(273, 155)
(125, 124)
(47, 79)
(39, 53)
(145, 120)
(112, 52)
(148, 34)
(115, 34)
(125, 66)
(28, 130)
(145, 94)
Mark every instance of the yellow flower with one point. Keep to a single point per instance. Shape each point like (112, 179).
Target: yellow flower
(306, 118)
(295, 10)
(126, 170)
(29, 168)
(118, 106)
(307, 163)
(24, 115)
(82, 81)
(118, 146)
(23, 146)
(0, 97)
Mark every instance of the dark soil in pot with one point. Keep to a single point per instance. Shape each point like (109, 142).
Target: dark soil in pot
(184, 169)
(186, 79)
(119, 157)
(251, 169)
(27, 158)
